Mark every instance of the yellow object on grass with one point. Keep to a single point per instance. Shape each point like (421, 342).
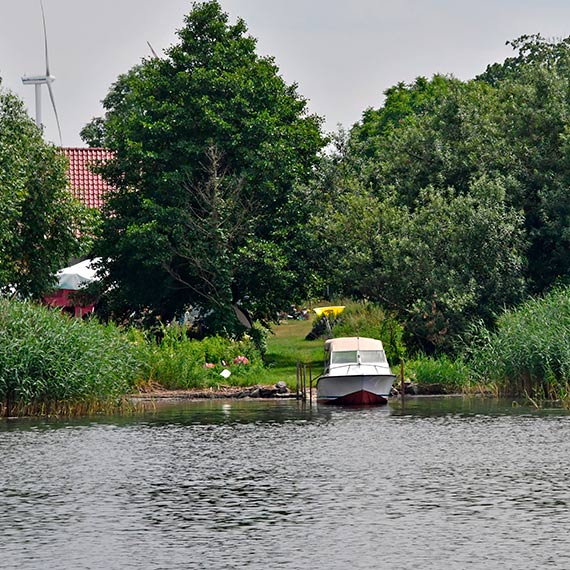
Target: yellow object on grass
(329, 311)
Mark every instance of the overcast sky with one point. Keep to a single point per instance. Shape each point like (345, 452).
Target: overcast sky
(343, 54)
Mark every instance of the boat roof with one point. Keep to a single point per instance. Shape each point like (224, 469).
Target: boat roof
(353, 343)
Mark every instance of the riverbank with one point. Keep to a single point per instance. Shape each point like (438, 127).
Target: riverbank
(279, 390)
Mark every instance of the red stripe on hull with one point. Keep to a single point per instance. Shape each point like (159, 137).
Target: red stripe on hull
(360, 398)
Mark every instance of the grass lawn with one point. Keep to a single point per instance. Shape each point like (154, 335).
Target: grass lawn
(286, 346)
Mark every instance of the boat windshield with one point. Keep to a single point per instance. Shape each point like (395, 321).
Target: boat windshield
(373, 357)
(358, 357)
(344, 357)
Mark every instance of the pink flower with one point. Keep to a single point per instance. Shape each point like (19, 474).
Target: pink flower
(209, 365)
(241, 360)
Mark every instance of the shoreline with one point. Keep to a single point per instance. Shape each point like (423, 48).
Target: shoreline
(257, 391)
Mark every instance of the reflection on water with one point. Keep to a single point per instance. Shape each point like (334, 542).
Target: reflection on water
(441, 482)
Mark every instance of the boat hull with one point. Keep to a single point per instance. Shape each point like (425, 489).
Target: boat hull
(354, 390)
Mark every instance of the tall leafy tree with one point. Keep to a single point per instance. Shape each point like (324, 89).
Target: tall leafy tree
(509, 125)
(211, 150)
(534, 88)
(39, 220)
(451, 260)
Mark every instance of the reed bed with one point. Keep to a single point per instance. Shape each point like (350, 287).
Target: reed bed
(49, 361)
(528, 354)
(441, 375)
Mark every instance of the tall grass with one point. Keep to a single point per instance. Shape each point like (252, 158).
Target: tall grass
(529, 352)
(47, 359)
(440, 375)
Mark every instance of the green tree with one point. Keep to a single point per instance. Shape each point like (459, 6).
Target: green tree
(509, 126)
(39, 220)
(449, 261)
(211, 150)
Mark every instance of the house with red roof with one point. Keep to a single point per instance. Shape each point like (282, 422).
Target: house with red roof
(90, 189)
(87, 186)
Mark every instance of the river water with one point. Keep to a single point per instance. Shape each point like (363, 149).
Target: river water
(443, 483)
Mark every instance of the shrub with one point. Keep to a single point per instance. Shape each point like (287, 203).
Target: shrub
(179, 362)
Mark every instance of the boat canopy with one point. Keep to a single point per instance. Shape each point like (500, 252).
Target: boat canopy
(352, 343)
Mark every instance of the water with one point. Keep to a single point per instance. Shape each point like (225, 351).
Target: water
(445, 483)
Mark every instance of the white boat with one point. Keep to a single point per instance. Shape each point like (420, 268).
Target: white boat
(356, 372)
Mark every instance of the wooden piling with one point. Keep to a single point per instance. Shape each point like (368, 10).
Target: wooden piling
(402, 383)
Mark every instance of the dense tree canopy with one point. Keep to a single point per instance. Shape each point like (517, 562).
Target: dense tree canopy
(465, 187)
(451, 260)
(509, 125)
(39, 221)
(211, 150)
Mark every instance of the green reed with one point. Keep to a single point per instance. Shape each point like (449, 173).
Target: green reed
(438, 375)
(528, 354)
(47, 358)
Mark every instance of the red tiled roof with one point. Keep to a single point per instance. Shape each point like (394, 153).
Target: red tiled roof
(86, 185)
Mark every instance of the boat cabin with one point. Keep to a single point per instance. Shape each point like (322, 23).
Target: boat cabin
(353, 351)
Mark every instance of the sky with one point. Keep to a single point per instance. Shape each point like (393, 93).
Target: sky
(343, 54)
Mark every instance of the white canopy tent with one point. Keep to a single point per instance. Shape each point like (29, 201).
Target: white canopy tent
(77, 276)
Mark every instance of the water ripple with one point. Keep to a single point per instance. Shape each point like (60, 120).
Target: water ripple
(262, 486)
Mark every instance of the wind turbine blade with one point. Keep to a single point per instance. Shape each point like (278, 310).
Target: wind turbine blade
(45, 37)
(55, 112)
(152, 50)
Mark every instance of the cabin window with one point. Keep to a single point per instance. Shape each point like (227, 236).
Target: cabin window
(372, 357)
(344, 357)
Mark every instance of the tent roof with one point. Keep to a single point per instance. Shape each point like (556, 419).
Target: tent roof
(76, 276)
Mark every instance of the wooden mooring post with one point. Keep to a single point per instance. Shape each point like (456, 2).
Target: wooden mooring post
(301, 382)
(402, 384)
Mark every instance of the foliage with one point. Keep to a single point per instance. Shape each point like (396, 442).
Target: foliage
(259, 334)
(456, 195)
(39, 220)
(438, 375)
(46, 358)
(529, 352)
(448, 261)
(211, 150)
(370, 320)
(508, 127)
(179, 362)
(532, 51)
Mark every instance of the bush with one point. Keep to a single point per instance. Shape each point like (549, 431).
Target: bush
(46, 357)
(179, 362)
(438, 375)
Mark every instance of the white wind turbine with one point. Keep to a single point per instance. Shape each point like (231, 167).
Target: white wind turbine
(47, 79)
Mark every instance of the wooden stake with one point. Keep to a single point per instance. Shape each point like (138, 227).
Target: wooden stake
(402, 384)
